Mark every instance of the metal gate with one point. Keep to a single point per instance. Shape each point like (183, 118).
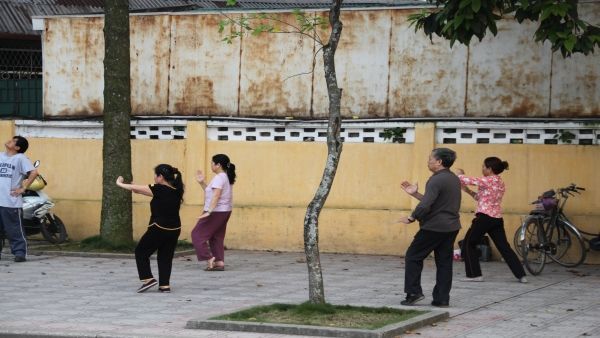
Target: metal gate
(21, 83)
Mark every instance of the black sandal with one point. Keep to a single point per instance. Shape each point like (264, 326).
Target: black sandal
(215, 268)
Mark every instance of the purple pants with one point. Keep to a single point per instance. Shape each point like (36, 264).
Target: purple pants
(209, 234)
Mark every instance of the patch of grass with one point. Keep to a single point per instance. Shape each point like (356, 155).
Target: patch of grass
(182, 244)
(343, 316)
(97, 244)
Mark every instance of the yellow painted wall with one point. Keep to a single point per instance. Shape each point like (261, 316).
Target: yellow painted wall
(276, 181)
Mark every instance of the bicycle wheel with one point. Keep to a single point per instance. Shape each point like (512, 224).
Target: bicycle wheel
(517, 240)
(567, 246)
(532, 245)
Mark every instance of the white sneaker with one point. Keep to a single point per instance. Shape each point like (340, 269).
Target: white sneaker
(523, 280)
(473, 279)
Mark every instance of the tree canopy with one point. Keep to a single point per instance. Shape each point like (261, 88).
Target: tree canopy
(558, 22)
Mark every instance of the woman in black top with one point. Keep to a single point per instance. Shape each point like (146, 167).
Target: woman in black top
(164, 226)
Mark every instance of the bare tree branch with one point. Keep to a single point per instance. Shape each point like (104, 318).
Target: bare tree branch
(313, 65)
(297, 30)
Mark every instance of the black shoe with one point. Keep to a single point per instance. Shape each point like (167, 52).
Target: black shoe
(412, 299)
(147, 285)
(439, 304)
(164, 289)
(20, 259)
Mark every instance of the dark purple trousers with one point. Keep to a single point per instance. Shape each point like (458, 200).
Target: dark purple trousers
(208, 236)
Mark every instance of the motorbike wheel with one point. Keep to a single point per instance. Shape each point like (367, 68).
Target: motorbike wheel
(53, 229)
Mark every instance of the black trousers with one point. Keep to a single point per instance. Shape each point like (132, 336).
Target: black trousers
(442, 245)
(164, 243)
(494, 227)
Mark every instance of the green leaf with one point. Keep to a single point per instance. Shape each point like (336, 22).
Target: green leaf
(231, 3)
(476, 5)
(447, 27)
(580, 23)
(493, 28)
(570, 43)
(464, 3)
(458, 21)
(394, 134)
(546, 13)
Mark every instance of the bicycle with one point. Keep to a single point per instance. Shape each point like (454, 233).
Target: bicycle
(547, 232)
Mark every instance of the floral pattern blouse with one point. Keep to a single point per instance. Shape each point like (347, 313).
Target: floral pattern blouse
(490, 193)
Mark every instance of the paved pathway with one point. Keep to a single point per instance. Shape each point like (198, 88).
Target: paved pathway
(95, 297)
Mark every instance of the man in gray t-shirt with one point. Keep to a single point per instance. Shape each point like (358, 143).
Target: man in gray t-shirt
(437, 213)
(14, 167)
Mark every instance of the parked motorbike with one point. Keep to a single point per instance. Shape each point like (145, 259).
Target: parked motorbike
(36, 216)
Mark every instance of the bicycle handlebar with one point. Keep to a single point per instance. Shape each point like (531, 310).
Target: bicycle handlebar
(564, 192)
(572, 188)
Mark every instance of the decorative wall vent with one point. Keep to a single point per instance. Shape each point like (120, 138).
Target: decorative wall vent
(470, 132)
(517, 133)
(158, 132)
(296, 131)
(140, 129)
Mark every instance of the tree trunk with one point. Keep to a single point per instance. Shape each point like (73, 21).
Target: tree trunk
(334, 149)
(116, 150)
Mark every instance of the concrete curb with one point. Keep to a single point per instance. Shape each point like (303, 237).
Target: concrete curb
(33, 252)
(388, 331)
(28, 334)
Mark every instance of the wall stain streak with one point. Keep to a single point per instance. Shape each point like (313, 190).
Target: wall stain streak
(180, 66)
(239, 83)
(390, 50)
(198, 93)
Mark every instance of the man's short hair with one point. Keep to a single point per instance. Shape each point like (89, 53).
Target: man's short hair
(447, 156)
(22, 143)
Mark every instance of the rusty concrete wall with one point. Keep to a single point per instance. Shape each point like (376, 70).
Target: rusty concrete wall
(73, 56)
(576, 80)
(149, 64)
(180, 66)
(509, 75)
(269, 82)
(362, 66)
(204, 71)
(427, 78)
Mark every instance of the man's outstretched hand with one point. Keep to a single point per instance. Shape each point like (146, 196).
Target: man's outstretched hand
(410, 188)
(406, 220)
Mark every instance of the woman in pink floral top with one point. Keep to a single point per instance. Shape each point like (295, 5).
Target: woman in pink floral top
(488, 220)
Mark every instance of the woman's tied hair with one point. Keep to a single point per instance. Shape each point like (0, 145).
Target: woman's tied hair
(495, 164)
(228, 167)
(166, 171)
(171, 175)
